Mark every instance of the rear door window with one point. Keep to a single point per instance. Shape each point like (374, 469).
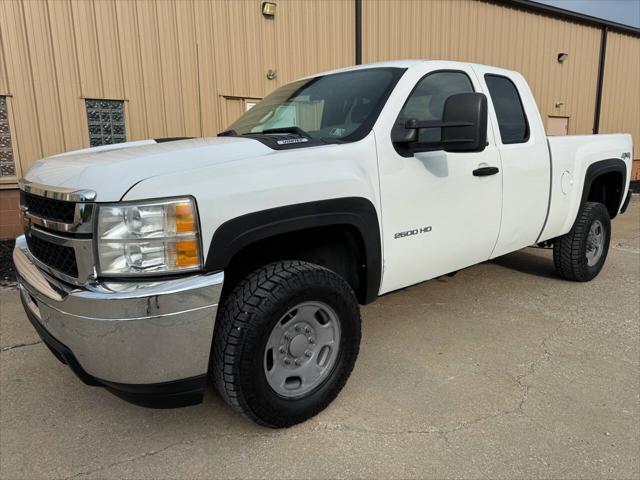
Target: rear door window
(512, 120)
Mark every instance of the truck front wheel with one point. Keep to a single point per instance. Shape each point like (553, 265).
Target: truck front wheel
(580, 254)
(285, 342)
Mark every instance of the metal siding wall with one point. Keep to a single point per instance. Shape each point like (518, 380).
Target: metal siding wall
(4, 81)
(170, 68)
(621, 92)
(109, 58)
(25, 128)
(188, 68)
(152, 78)
(131, 55)
(86, 44)
(40, 54)
(246, 48)
(72, 112)
(481, 32)
(207, 54)
(302, 25)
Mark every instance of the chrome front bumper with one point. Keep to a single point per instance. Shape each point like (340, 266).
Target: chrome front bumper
(125, 333)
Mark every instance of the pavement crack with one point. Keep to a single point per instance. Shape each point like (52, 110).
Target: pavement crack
(165, 448)
(413, 431)
(19, 345)
(531, 369)
(464, 425)
(130, 459)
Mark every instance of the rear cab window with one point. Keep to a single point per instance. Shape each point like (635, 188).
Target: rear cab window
(512, 120)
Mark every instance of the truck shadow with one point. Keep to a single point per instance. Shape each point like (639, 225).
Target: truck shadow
(536, 262)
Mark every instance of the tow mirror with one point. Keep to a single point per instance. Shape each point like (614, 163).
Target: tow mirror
(469, 110)
(463, 125)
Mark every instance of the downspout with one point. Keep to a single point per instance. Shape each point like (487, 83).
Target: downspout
(358, 5)
(599, 85)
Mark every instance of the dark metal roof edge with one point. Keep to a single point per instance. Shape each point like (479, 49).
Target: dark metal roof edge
(557, 12)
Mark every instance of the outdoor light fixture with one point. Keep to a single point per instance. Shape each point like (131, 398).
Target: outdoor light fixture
(268, 9)
(562, 57)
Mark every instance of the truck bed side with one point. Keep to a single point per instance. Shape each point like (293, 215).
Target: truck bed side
(571, 159)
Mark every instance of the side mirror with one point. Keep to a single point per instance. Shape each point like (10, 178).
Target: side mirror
(461, 109)
(463, 125)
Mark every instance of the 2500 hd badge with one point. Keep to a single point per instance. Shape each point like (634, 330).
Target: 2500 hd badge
(415, 231)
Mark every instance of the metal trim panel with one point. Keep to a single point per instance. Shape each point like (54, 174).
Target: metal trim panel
(57, 193)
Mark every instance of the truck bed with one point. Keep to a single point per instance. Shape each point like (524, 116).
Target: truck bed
(571, 158)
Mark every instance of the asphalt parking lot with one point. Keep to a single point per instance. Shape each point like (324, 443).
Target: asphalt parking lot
(503, 371)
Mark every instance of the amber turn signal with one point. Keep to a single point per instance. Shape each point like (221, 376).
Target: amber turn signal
(184, 218)
(187, 253)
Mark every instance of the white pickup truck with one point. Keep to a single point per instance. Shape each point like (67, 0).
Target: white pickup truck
(150, 266)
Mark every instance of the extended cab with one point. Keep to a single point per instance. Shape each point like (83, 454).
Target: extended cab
(150, 266)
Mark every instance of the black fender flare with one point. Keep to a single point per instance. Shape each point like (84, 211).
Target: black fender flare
(235, 234)
(599, 168)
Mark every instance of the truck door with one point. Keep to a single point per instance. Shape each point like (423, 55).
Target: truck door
(437, 214)
(524, 156)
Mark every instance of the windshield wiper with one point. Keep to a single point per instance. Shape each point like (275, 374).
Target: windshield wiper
(228, 133)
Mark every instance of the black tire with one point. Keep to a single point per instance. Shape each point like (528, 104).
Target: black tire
(570, 250)
(245, 322)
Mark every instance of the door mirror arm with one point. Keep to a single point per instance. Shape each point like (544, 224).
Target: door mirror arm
(416, 124)
(409, 133)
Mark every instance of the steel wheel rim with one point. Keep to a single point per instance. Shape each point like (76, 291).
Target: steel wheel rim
(595, 243)
(302, 349)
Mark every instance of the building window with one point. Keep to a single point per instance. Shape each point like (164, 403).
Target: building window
(106, 122)
(7, 161)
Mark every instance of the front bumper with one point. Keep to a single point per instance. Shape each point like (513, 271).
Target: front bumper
(147, 341)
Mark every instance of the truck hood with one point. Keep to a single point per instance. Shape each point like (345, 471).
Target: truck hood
(111, 170)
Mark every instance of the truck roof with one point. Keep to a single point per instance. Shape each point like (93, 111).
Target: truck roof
(408, 63)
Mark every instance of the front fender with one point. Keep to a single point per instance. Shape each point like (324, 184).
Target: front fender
(235, 234)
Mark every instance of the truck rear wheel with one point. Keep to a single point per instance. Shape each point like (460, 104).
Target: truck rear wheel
(580, 254)
(285, 342)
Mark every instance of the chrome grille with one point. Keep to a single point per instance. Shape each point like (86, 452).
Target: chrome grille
(58, 257)
(58, 226)
(49, 209)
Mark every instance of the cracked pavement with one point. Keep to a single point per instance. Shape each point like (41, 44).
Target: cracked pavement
(503, 371)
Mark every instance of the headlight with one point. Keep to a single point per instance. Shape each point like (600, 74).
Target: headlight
(146, 238)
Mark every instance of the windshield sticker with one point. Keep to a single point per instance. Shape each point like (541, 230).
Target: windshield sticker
(337, 132)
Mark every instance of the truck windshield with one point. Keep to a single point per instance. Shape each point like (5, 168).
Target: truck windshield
(339, 107)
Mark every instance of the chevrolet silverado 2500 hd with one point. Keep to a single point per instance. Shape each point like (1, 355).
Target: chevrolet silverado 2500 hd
(150, 266)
